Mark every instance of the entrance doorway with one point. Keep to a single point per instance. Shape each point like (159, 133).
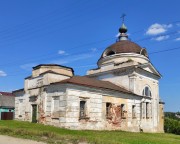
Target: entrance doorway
(34, 113)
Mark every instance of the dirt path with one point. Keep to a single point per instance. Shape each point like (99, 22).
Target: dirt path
(12, 140)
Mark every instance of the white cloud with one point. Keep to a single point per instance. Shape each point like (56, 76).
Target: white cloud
(168, 26)
(156, 29)
(93, 49)
(160, 38)
(178, 24)
(177, 39)
(70, 59)
(2, 73)
(61, 52)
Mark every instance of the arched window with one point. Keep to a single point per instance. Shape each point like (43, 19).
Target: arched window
(110, 53)
(146, 91)
(144, 52)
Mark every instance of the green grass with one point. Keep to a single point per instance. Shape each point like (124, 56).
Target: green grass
(52, 134)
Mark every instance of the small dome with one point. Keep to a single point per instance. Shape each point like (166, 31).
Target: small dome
(125, 46)
(123, 29)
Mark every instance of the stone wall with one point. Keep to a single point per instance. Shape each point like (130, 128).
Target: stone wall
(59, 105)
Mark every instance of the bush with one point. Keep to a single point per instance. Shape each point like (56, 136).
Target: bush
(5, 130)
(172, 126)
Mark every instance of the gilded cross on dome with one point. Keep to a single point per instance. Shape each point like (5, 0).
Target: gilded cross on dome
(123, 16)
(122, 30)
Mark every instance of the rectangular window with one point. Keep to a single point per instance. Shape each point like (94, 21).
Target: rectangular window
(82, 113)
(123, 110)
(141, 114)
(143, 110)
(162, 112)
(55, 104)
(20, 107)
(148, 110)
(108, 112)
(133, 111)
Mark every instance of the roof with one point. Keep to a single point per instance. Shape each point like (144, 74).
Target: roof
(49, 71)
(38, 66)
(7, 99)
(91, 82)
(6, 94)
(28, 77)
(125, 46)
(156, 72)
(18, 90)
(140, 66)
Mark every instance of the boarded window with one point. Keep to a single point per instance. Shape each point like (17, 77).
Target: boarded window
(140, 110)
(82, 109)
(20, 107)
(148, 110)
(55, 105)
(143, 108)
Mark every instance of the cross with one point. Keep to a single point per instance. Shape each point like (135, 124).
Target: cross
(123, 15)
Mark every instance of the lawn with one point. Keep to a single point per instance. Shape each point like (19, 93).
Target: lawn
(52, 134)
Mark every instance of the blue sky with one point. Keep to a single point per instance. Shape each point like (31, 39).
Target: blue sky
(75, 33)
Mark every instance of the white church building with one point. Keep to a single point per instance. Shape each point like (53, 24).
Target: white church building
(122, 93)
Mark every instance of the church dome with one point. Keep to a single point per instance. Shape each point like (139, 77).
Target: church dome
(124, 46)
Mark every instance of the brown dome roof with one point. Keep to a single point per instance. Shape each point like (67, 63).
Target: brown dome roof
(124, 46)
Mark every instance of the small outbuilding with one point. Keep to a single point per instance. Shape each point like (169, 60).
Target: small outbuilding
(7, 102)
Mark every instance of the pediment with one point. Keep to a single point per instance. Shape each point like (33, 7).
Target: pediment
(150, 68)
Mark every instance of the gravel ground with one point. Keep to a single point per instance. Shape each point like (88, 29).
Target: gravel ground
(12, 140)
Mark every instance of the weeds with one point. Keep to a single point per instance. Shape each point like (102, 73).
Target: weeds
(54, 135)
(5, 130)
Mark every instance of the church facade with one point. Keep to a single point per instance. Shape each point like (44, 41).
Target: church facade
(122, 93)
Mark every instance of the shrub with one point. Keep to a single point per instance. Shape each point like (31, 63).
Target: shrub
(172, 126)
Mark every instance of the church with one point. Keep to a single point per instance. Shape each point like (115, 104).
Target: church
(122, 93)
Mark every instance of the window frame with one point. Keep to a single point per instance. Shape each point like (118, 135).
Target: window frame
(133, 111)
(108, 113)
(53, 108)
(148, 110)
(85, 109)
(20, 108)
(123, 111)
(82, 103)
(147, 91)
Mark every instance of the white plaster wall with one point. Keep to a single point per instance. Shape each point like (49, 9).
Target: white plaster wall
(94, 108)
(142, 80)
(20, 108)
(121, 80)
(45, 79)
(57, 90)
(55, 78)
